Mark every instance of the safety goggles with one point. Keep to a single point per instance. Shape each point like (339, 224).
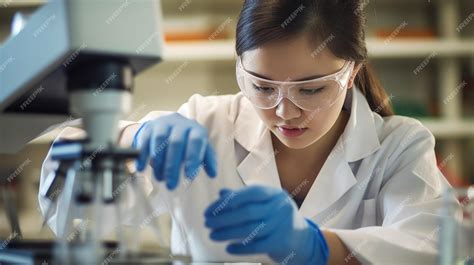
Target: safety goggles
(311, 95)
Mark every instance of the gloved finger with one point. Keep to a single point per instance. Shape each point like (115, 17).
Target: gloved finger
(210, 161)
(220, 204)
(175, 155)
(249, 194)
(249, 213)
(158, 146)
(143, 144)
(195, 150)
(244, 232)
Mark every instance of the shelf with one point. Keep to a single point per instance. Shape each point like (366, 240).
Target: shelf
(420, 48)
(218, 50)
(21, 3)
(225, 50)
(450, 129)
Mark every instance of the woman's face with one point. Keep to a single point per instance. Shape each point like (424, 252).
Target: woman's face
(295, 59)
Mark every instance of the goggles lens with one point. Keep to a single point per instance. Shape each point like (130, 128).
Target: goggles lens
(312, 95)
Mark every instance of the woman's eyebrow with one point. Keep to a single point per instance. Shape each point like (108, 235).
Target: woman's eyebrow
(298, 80)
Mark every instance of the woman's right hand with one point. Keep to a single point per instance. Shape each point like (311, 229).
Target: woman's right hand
(171, 142)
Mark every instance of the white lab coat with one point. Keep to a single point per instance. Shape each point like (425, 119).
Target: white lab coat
(379, 190)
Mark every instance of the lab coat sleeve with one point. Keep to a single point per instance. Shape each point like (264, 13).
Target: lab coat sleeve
(407, 207)
(73, 130)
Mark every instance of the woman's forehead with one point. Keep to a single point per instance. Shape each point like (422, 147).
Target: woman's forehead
(291, 59)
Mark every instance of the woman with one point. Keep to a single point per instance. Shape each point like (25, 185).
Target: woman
(314, 168)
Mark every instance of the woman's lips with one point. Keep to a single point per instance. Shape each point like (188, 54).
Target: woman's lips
(291, 132)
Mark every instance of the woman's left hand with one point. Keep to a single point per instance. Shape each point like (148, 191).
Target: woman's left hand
(263, 220)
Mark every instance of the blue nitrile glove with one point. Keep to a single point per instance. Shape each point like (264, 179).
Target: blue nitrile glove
(263, 220)
(173, 141)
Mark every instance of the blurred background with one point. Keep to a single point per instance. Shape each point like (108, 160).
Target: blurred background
(422, 50)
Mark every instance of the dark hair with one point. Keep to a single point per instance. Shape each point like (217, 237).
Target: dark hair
(337, 24)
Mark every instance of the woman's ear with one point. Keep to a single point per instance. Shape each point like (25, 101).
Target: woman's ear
(354, 73)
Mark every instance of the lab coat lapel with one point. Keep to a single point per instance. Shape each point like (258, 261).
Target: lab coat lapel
(333, 181)
(259, 166)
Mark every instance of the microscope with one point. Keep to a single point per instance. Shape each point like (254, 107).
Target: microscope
(78, 58)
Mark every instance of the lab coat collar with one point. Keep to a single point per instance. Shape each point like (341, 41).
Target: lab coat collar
(360, 137)
(358, 141)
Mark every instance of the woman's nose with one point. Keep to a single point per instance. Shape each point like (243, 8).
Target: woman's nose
(287, 110)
